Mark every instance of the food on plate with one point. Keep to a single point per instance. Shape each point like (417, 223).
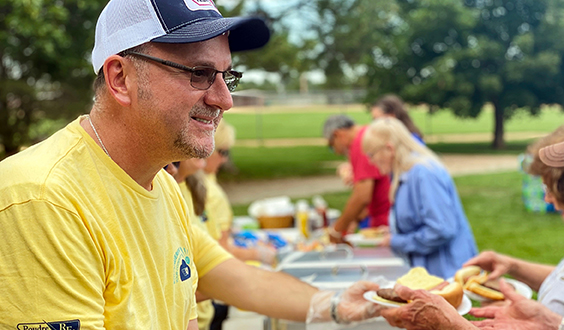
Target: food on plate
(309, 246)
(418, 278)
(475, 280)
(373, 232)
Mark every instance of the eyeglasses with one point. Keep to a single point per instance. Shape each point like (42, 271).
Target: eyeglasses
(331, 141)
(201, 77)
(223, 152)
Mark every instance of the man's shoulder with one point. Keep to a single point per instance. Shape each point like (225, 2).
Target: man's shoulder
(31, 170)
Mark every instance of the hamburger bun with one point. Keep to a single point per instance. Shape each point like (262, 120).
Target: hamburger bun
(419, 279)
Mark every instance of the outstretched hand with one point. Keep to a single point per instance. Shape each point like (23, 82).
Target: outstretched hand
(353, 307)
(495, 263)
(520, 314)
(425, 311)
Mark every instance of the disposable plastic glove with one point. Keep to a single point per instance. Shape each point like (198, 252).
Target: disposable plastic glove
(350, 306)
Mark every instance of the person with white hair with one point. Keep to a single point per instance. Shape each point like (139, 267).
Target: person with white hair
(428, 226)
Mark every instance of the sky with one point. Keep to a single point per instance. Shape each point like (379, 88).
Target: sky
(295, 21)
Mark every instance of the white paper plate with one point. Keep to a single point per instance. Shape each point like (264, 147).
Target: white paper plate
(359, 240)
(463, 309)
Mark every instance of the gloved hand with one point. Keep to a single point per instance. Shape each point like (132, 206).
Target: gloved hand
(350, 306)
(266, 254)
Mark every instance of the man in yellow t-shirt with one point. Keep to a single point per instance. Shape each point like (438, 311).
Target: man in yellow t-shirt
(94, 234)
(76, 224)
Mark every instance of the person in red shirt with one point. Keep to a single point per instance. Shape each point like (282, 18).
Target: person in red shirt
(370, 189)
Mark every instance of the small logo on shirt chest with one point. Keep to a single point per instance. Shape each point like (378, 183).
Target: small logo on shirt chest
(182, 265)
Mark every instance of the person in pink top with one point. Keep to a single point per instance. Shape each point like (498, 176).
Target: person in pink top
(370, 189)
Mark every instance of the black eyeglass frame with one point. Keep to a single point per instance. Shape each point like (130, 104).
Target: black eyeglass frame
(223, 152)
(231, 77)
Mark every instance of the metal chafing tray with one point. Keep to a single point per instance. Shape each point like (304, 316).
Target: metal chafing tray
(336, 269)
(341, 255)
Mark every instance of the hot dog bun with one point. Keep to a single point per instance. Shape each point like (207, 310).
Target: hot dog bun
(418, 278)
(474, 278)
(485, 292)
(463, 274)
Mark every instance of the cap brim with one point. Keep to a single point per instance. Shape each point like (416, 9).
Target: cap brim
(246, 33)
(553, 155)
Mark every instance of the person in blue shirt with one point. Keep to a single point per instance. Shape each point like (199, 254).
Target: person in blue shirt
(428, 226)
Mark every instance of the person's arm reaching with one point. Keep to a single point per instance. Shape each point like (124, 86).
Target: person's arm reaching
(359, 199)
(282, 296)
(269, 293)
(530, 273)
(263, 253)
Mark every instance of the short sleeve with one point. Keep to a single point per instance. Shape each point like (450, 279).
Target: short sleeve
(361, 166)
(207, 252)
(49, 251)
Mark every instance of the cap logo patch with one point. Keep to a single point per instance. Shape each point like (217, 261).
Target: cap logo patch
(200, 5)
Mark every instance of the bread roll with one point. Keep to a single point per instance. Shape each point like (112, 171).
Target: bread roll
(418, 278)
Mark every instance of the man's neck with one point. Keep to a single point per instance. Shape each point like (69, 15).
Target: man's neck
(123, 147)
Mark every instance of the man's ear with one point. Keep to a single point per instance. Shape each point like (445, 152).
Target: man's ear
(116, 71)
(339, 132)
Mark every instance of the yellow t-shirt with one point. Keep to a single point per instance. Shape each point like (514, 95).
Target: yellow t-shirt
(205, 308)
(84, 246)
(218, 208)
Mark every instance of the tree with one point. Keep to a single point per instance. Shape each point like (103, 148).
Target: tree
(464, 55)
(45, 70)
(279, 56)
(347, 31)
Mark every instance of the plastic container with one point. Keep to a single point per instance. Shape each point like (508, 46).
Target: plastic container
(302, 216)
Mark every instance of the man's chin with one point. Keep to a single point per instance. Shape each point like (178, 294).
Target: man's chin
(195, 151)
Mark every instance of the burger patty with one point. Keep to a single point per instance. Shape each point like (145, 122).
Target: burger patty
(389, 294)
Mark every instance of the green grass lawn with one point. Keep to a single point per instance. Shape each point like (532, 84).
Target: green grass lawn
(498, 218)
(267, 163)
(272, 123)
(270, 163)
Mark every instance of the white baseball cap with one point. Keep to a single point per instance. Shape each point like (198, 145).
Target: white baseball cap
(124, 24)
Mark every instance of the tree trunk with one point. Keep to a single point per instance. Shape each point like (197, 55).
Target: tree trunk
(498, 142)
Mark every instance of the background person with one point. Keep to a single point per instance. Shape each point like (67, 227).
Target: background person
(387, 106)
(95, 234)
(427, 222)
(217, 206)
(189, 177)
(219, 213)
(392, 106)
(370, 188)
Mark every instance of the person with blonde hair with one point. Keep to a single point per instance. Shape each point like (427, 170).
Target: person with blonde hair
(427, 222)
